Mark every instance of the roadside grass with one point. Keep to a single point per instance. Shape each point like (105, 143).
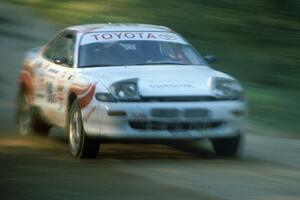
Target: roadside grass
(255, 41)
(271, 108)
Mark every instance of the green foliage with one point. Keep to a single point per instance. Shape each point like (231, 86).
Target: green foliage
(257, 41)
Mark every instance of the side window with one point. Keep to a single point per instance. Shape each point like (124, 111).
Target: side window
(49, 51)
(61, 49)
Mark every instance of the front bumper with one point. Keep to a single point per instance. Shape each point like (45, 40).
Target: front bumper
(165, 120)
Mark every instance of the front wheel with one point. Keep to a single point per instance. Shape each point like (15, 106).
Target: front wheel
(229, 146)
(81, 146)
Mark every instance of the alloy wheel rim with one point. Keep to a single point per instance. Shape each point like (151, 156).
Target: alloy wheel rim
(75, 132)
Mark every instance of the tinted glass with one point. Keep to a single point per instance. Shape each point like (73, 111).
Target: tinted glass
(61, 48)
(137, 52)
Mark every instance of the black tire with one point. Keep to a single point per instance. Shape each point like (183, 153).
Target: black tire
(227, 147)
(28, 118)
(81, 146)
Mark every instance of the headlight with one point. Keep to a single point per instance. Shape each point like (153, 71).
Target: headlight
(125, 90)
(106, 97)
(227, 89)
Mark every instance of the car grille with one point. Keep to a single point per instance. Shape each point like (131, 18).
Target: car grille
(165, 113)
(159, 125)
(194, 113)
(175, 113)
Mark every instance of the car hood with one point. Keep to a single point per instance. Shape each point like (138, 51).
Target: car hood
(159, 80)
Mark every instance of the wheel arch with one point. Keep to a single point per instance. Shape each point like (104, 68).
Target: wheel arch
(26, 84)
(71, 98)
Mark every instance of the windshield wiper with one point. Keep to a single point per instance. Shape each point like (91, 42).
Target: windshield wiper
(100, 65)
(147, 63)
(162, 63)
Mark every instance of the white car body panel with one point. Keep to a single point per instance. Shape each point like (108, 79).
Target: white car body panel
(50, 85)
(160, 80)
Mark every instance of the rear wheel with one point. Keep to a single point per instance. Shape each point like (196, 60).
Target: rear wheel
(81, 145)
(229, 146)
(29, 122)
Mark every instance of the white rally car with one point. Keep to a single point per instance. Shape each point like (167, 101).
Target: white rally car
(117, 82)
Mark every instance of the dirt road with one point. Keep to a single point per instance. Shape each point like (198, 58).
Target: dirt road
(42, 168)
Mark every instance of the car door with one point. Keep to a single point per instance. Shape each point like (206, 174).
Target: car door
(57, 69)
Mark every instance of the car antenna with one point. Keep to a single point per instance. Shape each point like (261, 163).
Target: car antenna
(109, 14)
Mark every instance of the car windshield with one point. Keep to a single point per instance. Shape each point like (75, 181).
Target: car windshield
(142, 51)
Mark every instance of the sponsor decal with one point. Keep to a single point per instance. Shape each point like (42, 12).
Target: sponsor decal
(60, 99)
(79, 89)
(28, 69)
(60, 88)
(167, 36)
(85, 94)
(40, 95)
(27, 82)
(171, 85)
(70, 77)
(50, 92)
(123, 36)
(129, 35)
(87, 98)
(52, 70)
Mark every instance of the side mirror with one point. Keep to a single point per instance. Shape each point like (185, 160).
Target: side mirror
(210, 59)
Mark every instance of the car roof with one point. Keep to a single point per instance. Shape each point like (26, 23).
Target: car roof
(117, 27)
